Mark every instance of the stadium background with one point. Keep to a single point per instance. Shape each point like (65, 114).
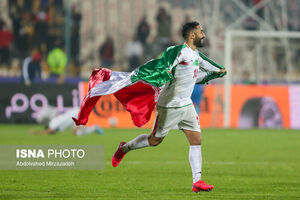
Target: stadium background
(139, 31)
(261, 90)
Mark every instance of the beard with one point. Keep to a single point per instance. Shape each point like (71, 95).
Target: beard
(198, 42)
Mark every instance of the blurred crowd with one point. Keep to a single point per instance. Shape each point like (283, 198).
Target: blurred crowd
(38, 33)
(138, 49)
(33, 46)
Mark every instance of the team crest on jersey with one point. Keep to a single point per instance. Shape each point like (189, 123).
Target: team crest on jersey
(196, 62)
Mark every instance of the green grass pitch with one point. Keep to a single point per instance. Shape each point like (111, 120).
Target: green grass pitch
(241, 164)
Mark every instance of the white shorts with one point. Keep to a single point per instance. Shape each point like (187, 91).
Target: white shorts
(64, 121)
(167, 118)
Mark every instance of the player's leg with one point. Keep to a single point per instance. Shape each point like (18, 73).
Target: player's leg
(195, 158)
(195, 155)
(165, 120)
(191, 127)
(146, 140)
(139, 142)
(85, 130)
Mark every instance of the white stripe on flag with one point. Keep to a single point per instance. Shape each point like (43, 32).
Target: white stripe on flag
(117, 81)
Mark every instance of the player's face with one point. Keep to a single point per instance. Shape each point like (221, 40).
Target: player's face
(199, 36)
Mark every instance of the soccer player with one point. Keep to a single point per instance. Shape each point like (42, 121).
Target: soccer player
(60, 122)
(175, 107)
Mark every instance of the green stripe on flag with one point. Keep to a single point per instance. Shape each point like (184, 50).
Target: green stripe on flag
(210, 61)
(157, 72)
(211, 75)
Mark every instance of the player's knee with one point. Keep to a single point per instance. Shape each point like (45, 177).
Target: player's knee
(154, 141)
(196, 141)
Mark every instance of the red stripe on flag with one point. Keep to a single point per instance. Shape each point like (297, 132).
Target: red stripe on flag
(87, 105)
(140, 100)
(99, 76)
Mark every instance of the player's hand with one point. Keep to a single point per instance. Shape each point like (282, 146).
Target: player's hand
(222, 71)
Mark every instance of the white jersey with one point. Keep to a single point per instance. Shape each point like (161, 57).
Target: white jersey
(64, 121)
(45, 115)
(177, 93)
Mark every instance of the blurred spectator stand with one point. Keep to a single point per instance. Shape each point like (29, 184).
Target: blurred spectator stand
(134, 50)
(75, 38)
(31, 70)
(106, 53)
(57, 61)
(6, 39)
(143, 31)
(41, 29)
(164, 28)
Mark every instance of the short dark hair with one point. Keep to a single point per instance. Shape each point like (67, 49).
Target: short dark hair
(187, 28)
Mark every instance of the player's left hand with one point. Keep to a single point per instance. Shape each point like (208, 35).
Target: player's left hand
(222, 71)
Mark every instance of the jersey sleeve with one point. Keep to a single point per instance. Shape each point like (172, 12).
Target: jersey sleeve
(208, 66)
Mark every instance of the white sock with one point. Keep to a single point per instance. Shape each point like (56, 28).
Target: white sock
(85, 130)
(195, 157)
(140, 141)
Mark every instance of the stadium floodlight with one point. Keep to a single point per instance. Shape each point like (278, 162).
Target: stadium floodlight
(230, 36)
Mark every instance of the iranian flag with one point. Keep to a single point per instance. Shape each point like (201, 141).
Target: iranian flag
(138, 91)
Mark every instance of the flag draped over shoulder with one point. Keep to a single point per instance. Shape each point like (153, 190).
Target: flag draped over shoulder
(138, 90)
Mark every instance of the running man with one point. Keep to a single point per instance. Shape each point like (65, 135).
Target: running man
(175, 107)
